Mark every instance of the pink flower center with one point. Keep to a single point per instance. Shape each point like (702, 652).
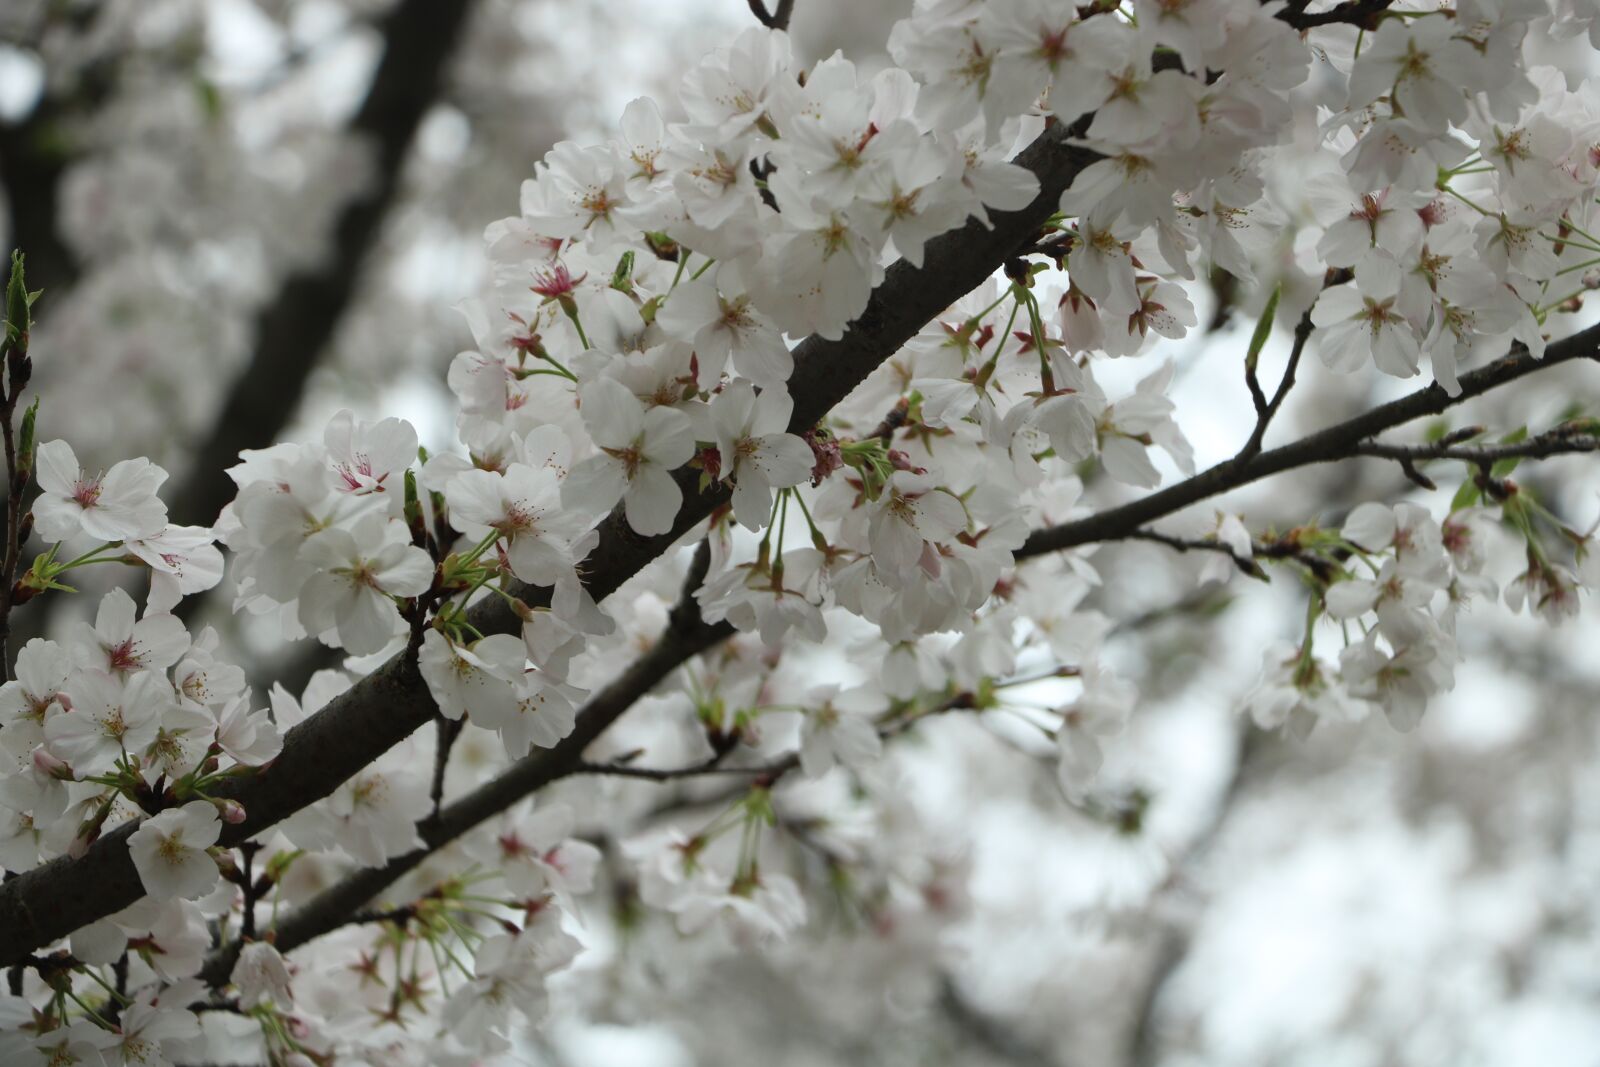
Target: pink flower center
(125, 657)
(87, 493)
(358, 475)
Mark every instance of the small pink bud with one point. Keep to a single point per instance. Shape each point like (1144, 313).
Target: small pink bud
(46, 763)
(232, 812)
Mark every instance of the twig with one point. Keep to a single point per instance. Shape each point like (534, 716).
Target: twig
(1557, 442)
(668, 774)
(1267, 409)
(445, 739)
(776, 19)
(1283, 548)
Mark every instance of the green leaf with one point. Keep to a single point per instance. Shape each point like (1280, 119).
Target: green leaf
(1504, 467)
(1466, 496)
(1258, 340)
(622, 277)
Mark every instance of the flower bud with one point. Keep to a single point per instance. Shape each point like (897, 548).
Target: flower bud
(413, 510)
(47, 763)
(25, 443)
(18, 322)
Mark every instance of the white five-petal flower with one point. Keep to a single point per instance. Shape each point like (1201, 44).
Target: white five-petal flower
(169, 851)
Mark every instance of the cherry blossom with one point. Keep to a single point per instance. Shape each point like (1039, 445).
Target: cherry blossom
(360, 572)
(481, 681)
(183, 560)
(837, 729)
(758, 455)
(169, 849)
(542, 539)
(116, 505)
(365, 456)
(110, 716)
(118, 644)
(850, 334)
(261, 975)
(638, 451)
(1366, 319)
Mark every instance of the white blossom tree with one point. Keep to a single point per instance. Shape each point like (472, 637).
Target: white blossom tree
(866, 477)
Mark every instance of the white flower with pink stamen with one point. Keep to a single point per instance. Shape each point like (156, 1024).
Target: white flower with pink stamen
(365, 455)
(117, 505)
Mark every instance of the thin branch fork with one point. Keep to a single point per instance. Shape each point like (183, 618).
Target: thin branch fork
(1266, 409)
(1283, 548)
(777, 18)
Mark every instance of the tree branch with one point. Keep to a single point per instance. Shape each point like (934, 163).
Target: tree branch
(1362, 13)
(1266, 409)
(293, 330)
(1563, 440)
(777, 18)
(1283, 548)
(686, 635)
(333, 908)
(1337, 442)
(712, 765)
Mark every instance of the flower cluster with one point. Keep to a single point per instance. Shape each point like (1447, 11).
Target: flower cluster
(631, 385)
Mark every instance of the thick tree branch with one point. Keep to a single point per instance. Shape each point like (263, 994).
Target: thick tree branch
(1361, 13)
(293, 330)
